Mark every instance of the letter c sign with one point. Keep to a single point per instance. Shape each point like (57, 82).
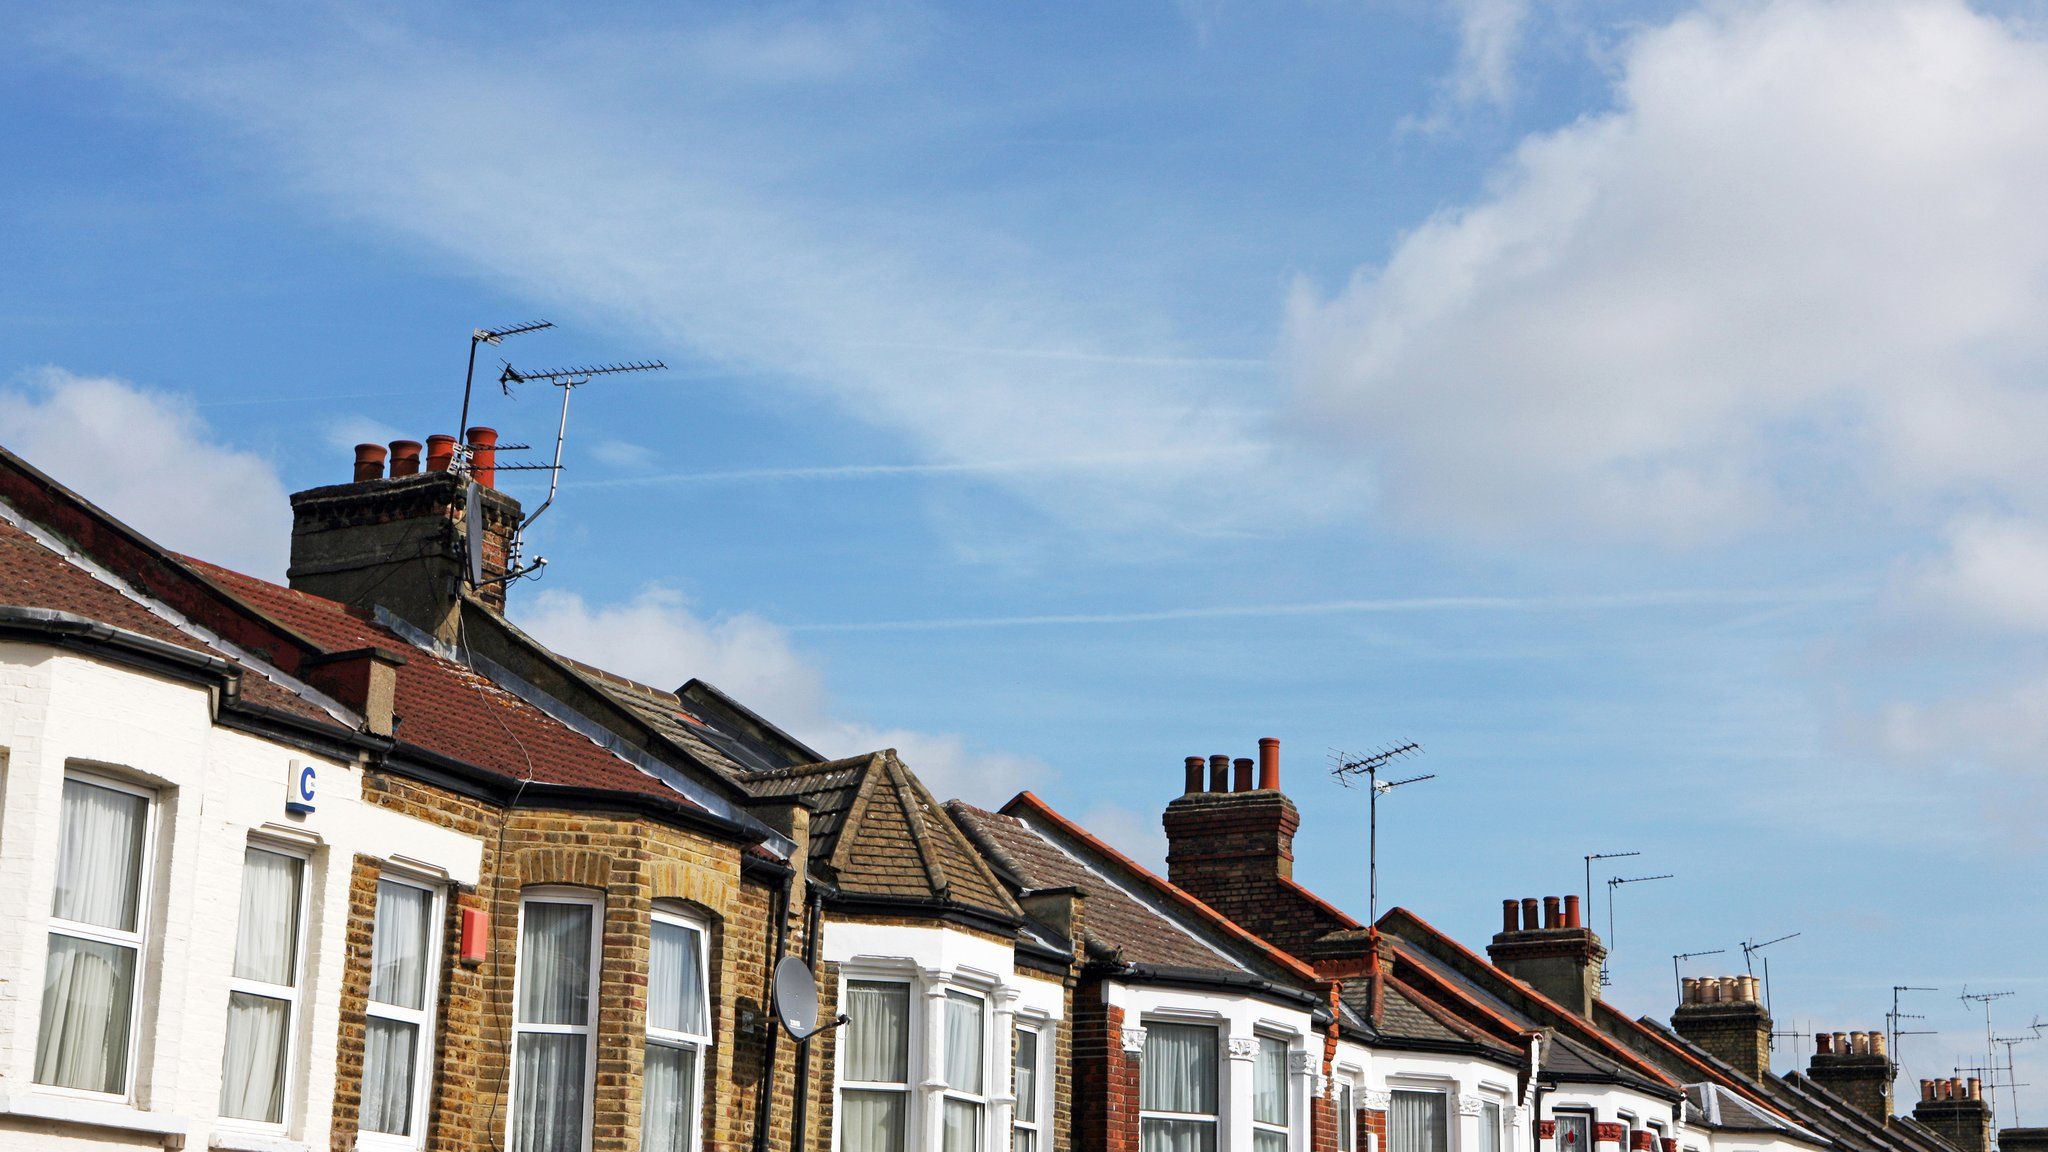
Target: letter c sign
(299, 787)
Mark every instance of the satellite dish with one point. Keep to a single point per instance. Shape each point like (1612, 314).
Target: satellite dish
(473, 535)
(796, 997)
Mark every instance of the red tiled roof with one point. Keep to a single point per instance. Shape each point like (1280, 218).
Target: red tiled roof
(33, 576)
(443, 706)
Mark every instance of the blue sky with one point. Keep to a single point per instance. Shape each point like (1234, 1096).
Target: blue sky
(1637, 405)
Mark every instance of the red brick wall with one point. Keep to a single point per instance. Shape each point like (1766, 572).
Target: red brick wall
(1372, 1126)
(1105, 1077)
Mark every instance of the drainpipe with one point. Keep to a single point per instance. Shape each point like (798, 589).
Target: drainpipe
(800, 1120)
(764, 1102)
(1536, 1090)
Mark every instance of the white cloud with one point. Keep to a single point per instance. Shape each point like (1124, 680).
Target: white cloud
(1800, 265)
(1995, 573)
(1489, 35)
(148, 459)
(656, 638)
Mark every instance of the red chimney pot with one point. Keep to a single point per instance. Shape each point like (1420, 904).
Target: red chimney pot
(1571, 912)
(1529, 921)
(369, 462)
(483, 456)
(1510, 915)
(1219, 773)
(1269, 763)
(405, 458)
(1194, 774)
(1243, 780)
(1552, 918)
(440, 452)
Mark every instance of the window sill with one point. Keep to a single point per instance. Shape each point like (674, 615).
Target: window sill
(230, 1140)
(98, 1114)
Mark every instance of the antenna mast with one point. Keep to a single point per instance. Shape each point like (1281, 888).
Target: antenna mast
(1893, 1018)
(1613, 884)
(1346, 767)
(1990, 1040)
(568, 380)
(494, 337)
(1677, 981)
(1750, 948)
(1592, 856)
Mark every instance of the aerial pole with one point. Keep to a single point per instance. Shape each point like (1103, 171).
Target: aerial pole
(1345, 768)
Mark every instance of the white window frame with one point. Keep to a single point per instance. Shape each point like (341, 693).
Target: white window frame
(422, 1019)
(1442, 1091)
(1036, 1125)
(949, 1092)
(136, 941)
(1215, 1120)
(1346, 1107)
(291, 995)
(913, 1042)
(669, 1038)
(1286, 1125)
(588, 1029)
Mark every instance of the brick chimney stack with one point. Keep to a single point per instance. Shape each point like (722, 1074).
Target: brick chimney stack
(2023, 1140)
(397, 541)
(1856, 1067)
(1957, 1111)
(1227, 843)
(1724, 1015)
(1557, 955)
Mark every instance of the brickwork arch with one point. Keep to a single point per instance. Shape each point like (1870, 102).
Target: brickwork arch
(572, 867)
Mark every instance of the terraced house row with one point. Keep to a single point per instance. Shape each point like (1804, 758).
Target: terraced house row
(354, 863)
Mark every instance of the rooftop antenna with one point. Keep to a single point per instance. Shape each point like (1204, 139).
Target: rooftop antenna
(1798, 1053)
(1613, 884)
(1893, 1018)
(2013, 1084)
(494, 337)
(1749, 950)
(1592, 856)
(1369, 766)
(1677, 981)
(1990, 1039)
(568, 380)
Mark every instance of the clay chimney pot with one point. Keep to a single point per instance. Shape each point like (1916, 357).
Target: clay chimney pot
(1571, 911)
(1510, 915)
(405, 458)
(1552, 917)
(1243, 782)
(369, 462)
(1269, 763)
(1219, 773)
(1194, 770)
(483, 456)
(440, 452)
(1530, 922)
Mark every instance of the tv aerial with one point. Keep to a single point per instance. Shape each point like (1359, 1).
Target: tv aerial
(1612, 884)
(1589, 858)
(1345, 768)
(1894, 1018)
(493, 337)
(1677, 981)
(568, 380)
(796, 1000)
(1749, 950)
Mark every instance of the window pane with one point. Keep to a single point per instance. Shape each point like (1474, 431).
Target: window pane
(554, 962)
(668, 1099)
(1347, 1118)
(1269, 1082)
(1267, 1140)
(872, 1121)
(1489, 1127)
(83, 1038)
(402, 943)
(388, 1048)
(1026, 1078)
(1574, 1133)
(548, 1112)
(675, 980)
(962, 1127)
(252, 1070)
(1179, 1070)
(963, 1042)
(267, 935)
(99, 856)
(1418, 1122)
(1024, 1140)
(1177, 1136)
(878, 1036)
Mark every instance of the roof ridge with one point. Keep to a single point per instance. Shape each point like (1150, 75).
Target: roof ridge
(934, 872)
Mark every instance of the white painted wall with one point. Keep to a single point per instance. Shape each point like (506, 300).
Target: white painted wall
(216, 789)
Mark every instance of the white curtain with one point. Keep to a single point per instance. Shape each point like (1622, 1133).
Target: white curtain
(1026, 1081)
(873, 1121)
(668, 1099)
(400, 945)
(1418, 1122)
(1269, 1082)
(1489, 1127)
(877, 1038)
(1177, 1135)
(554, 955)
(675, 980)
(388, 1048)
(1180, 1072)
(962, 1126)
(963, 1043)
(547, 1115)
(82, 1041)
(99, 856)
(252, 1071)
(1347, 1119)
(266, 937)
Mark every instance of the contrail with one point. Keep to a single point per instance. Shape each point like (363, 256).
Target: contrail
(1589, 603)
(880, 471)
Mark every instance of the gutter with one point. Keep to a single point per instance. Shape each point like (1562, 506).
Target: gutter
(1135, 973)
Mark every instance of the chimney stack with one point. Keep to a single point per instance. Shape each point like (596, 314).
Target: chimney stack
(1957, 1112)
(1556, 955)
(1230, 844)
(1724, 1016)
(2023, 1140)
(398, 541)
(1855, 1067)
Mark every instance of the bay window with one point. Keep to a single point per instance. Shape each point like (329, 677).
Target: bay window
(398, 1033)
(965, 1095)
(554, 1022)
(678, 1033)
(1024, 1082)
(85, 1038)
(1418, 1122)
(263, 989)
(1178, 1088)
(1269, 1096)
(1491, 1139)
(1347, 1117)
(874, 1067)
